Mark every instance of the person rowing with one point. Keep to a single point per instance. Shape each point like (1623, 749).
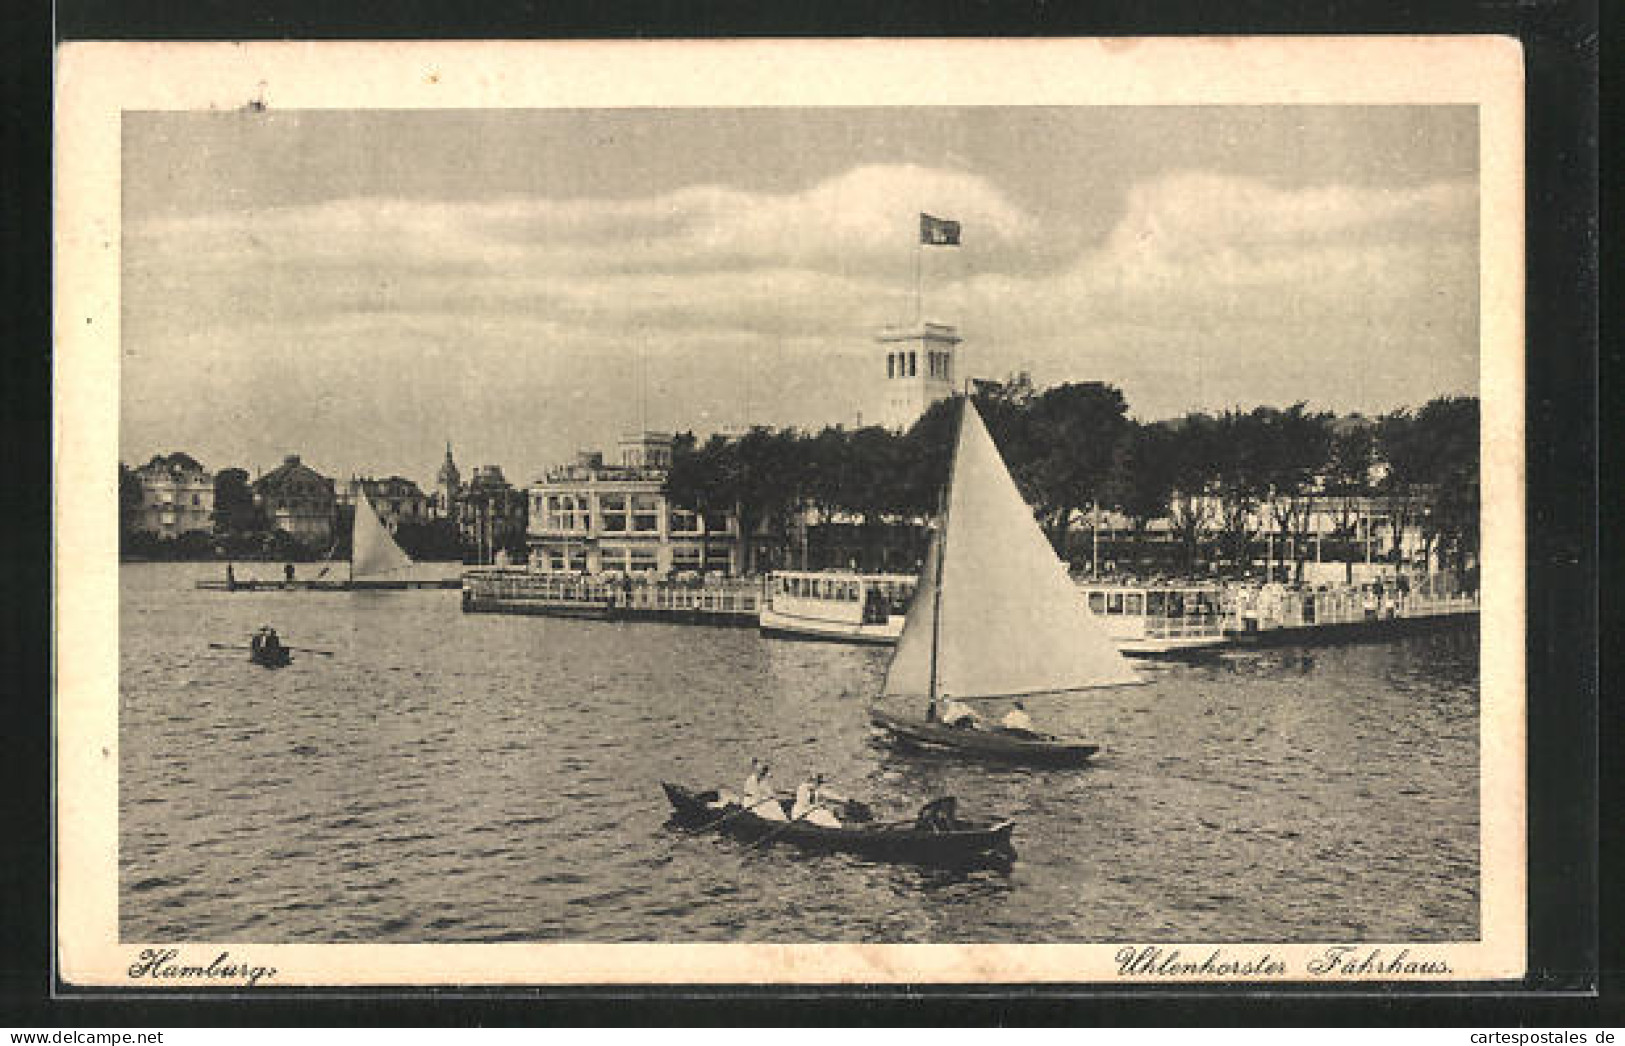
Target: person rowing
(809, 805)
(759, 797)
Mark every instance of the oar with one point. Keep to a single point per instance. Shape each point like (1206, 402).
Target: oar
(300, 649)
(769, 837)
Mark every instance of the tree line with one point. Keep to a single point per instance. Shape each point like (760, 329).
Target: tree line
(1222, 482)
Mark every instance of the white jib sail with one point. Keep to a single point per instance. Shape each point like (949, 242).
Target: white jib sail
(373, 551)
(1009, 619)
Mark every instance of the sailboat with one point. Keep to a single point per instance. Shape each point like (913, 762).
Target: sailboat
(376, 561)
(995, 617)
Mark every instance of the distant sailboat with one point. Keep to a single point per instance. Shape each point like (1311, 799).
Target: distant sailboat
(376, 561)
(995, 616)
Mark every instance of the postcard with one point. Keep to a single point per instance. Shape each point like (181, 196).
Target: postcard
(836, 512)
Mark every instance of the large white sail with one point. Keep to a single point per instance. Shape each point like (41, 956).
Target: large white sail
(372, 551)
(910, 668)
(1008, 619)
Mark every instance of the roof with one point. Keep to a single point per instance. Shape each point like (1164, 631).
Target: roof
(292, 473)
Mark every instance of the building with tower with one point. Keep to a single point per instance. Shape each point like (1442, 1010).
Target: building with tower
(919, 370)
(448, 484)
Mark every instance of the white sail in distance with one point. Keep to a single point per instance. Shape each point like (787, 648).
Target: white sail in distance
(1005, 619)
(373, 551)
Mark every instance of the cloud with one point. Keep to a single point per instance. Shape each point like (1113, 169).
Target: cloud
(1209, 289)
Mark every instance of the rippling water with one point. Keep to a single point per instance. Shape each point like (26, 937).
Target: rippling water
(451, 777)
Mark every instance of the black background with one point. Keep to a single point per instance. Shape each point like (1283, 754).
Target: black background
(1572, 913)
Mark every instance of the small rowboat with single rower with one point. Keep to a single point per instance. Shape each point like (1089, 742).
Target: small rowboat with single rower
(271, 657)
(936, 837)
(1000, 743)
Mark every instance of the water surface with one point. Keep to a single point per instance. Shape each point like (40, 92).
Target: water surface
(473, 778)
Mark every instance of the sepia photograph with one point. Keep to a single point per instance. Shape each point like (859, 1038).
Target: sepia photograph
(962, 512)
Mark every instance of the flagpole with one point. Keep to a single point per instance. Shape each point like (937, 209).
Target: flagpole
(919, 251)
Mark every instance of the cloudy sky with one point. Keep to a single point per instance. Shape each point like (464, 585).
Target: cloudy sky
(359, 287)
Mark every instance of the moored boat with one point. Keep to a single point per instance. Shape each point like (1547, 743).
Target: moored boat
(996, 618)
(842, 607)
(1154, 620)
(938, 836)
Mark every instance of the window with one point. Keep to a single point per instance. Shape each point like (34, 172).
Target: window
(645, 513)
(612, 513)
(567, 512)
(613, 557)
(195, 500)
(1097, 602)
(716, 523)
(687, 557)
(1133, 603)
(913, 359)
(1114, 603)
(891, 364)
(683, 521)
(645, 560)
(717, 557)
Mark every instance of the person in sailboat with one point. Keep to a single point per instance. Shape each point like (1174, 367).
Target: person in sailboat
(759, 797)
(1017, 719)
(809, 805)
(951, 712)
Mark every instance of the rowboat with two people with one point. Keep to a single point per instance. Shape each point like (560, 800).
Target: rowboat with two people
(996, 618)
(936, 836)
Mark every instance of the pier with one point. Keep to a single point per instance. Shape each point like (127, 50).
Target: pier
(711, 601)
(1343, 615)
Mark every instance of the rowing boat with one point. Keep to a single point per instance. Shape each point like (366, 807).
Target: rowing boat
(954, 841)
(1001, 743)
(272, 657)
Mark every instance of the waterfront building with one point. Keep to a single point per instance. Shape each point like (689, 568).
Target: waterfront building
(592, 517)
(298, 499)
(394, 498)
(490, 513)
(177, 495)
(919, 369)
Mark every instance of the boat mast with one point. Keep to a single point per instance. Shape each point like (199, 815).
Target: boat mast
(942, 545)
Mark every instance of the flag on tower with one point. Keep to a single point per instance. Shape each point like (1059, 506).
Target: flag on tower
(938, 232)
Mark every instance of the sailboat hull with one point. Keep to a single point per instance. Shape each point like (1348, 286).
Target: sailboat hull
(993, 744)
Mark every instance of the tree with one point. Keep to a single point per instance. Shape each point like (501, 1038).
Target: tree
(1448, 426)
(1239, 481)
(1404, 473)
(1070, 441)
(1352, 457)
(129, 501)
(1294, 447)
(755, 477)
(1142, 480)
(1193, 463)
(234, 509)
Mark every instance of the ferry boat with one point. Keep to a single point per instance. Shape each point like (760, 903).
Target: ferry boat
(837, 606)
(1148, 620)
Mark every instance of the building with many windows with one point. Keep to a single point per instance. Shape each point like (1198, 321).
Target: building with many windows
(177, 495)
(592, 517)
(298, 499)
(394, 498)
